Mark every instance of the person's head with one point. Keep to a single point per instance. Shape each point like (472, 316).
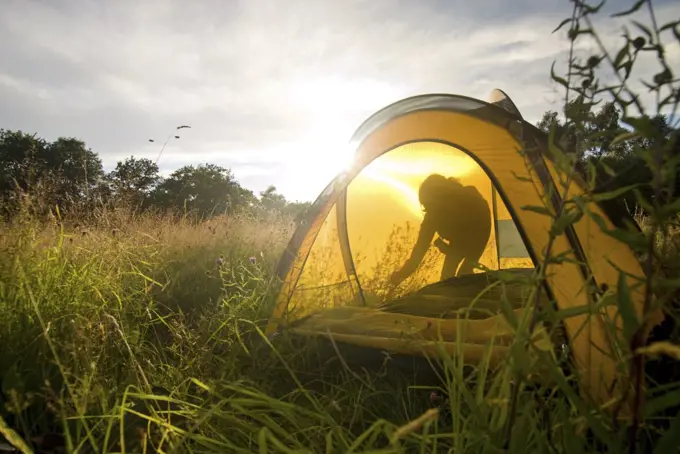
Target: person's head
(436, 189)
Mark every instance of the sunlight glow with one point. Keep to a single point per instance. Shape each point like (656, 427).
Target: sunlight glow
(318, 92)
(312, 164)
(341, 159)
(405, 165)
(332, 109)
(410, 194)
(402, 171)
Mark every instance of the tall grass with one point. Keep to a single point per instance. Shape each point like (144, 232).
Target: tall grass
(144, 334)
(140, 331)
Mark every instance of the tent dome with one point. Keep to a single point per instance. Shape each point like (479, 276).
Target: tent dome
(372, 267)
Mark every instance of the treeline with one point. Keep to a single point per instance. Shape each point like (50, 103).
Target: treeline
(44, 175)
(68, 175)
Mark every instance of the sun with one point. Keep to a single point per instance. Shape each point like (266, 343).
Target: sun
(311, 166)
(332, 108)
(318, 158)
(338, 159)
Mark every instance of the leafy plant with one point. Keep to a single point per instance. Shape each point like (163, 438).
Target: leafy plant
(646, 138)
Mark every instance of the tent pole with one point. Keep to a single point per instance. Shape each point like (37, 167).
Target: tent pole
(494, 206)
(346, 251)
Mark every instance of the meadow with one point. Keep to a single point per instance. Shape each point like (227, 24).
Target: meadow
(127, 330)
(143, 333)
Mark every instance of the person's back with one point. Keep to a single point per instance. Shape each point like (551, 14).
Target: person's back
(463, 217)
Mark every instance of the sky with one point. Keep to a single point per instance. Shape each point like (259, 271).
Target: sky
(272, 89)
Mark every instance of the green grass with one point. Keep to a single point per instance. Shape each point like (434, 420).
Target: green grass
(144, 334)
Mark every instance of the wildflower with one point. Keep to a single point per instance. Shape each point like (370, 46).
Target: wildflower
(435, 399)
(220, 261)
(252, 260)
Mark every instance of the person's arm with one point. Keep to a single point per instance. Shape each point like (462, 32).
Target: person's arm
(425, 236)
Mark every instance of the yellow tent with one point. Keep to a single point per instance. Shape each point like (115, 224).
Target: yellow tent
(438, 184)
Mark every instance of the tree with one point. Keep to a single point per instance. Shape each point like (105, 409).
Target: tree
(272, 200)
(597, 133)
(616, 164)
(73, 169)
(298, 210)
(204, 189)
(134, 179)
(61, 172)
(21, 161)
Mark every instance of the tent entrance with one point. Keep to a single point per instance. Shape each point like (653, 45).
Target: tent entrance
(373, 230)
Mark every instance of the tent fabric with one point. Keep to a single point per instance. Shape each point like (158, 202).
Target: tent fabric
(362, 230)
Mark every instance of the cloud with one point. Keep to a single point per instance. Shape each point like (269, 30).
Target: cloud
(273, 90)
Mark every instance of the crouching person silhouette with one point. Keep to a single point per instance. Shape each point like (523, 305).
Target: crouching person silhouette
(461, 218)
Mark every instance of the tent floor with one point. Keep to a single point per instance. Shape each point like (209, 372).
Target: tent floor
(460, 316)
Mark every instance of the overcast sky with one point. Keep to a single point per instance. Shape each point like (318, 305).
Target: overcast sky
(272, 89)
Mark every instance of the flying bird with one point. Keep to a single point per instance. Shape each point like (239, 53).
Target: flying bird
(183, 126)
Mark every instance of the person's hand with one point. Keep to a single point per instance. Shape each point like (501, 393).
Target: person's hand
(441, 245)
